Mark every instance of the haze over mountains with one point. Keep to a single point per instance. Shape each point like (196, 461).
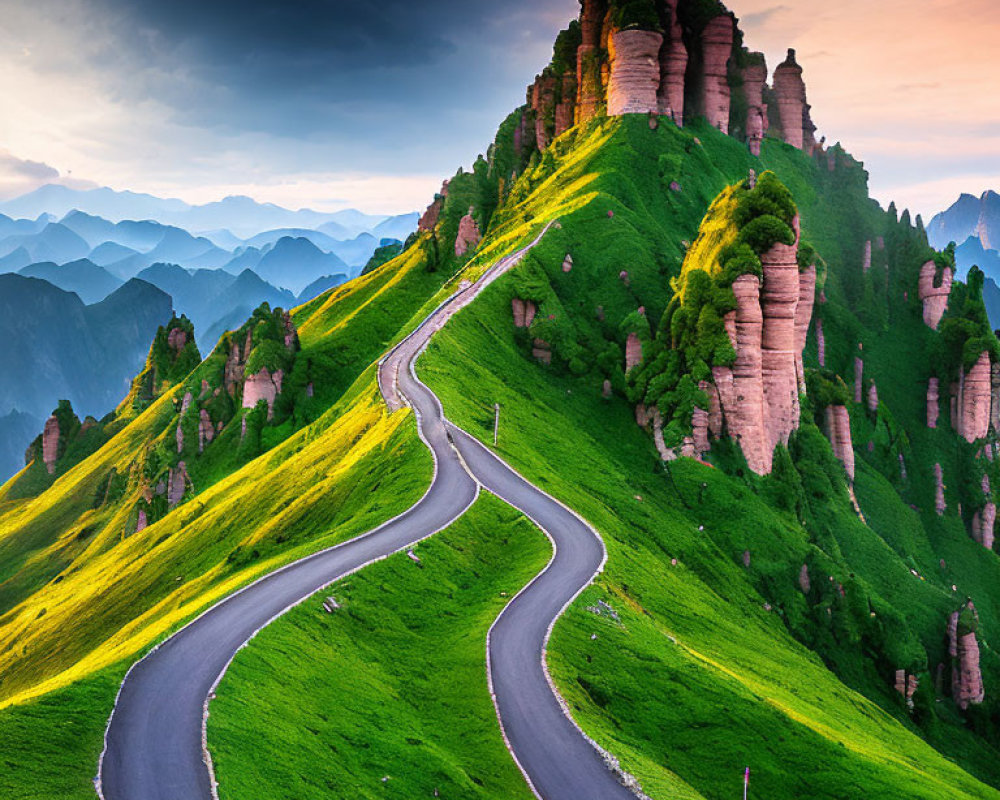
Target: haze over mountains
(77, 254)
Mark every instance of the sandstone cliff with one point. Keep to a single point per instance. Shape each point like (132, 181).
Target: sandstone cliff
(673, 66)
(717, 46)
(793, 110)
(635, 72)
(934, 293)
(838, 430)
(966, 678)
(469, 236)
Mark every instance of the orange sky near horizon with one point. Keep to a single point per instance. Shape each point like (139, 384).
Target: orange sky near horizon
(908, 86)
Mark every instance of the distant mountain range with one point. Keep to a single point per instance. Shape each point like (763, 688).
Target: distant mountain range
(241, 216)
(973, 223)
(86, 277)
(57, 347)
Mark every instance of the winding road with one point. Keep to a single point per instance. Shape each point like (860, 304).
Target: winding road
(155, 741)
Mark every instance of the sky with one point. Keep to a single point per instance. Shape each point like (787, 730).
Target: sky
(328, 104)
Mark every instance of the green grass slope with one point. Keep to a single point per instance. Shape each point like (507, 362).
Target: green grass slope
(392, 686)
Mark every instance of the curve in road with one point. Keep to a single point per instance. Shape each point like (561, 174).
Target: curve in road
(155, 745)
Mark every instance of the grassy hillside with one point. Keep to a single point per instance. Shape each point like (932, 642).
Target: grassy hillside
(372, 683)
(810, 722)
(712, 665)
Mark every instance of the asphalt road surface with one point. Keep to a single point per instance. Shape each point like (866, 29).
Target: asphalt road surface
(154, 746)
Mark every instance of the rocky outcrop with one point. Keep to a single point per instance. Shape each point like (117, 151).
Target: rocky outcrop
(866, 262)
(906, 685)
(820, 343)
(206, 431)
(838, 430)
(50, 444)
(975, 398)
(803, 318)
(754, 83)
(934, 295)
(780, 356)
(963, 647)
(805, 584)
(432, 215)
(873, 397)
(933, 403)
(543, 103)
(635, 72)
(746, 414)
(262, 386)
(995, 391)
(633, 352)
(541, 351)
(758, 399)
(716, 48)
(940, 506)
(235, 363)
(588, 73)
(565, 109)
(179, 438)
(790, 91)
(142, 521)
(700, 424)
(178, 482)
(984, 520)
(524, 312)
(859, 374)
(469, 236)
(673, 66)
(567, 265)
(177, 339)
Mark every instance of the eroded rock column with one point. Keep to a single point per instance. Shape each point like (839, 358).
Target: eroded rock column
(717, 46)
(635, 72)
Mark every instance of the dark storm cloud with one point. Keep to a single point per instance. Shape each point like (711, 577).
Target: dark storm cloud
(298, 68)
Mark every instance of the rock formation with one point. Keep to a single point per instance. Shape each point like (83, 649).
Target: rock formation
(803, 318)
(179, 437)
(717, 46)
(838, 430)
(141, 522)
(176, 339)
(541, 351)
(820, 343)
(974, 401)
(873, 397)
(700, 423)
(567, 265)
(635, 72)
(673, 66)
(50, 444)
(940, 506)
(859, 374)
(934, 296)
(966, 678)
(754, 82)
(206, 432)
(790, 90)
(543, 103)
(933, 404)
(262, 386)
(468, 235)
(906, 685)
(524, 312)
(780, 356)
(984, 520)
(177, 482)
(588, 74)
(746, 412)
(567, 105)
(432, 215)
(805, 584)
(633, 352)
